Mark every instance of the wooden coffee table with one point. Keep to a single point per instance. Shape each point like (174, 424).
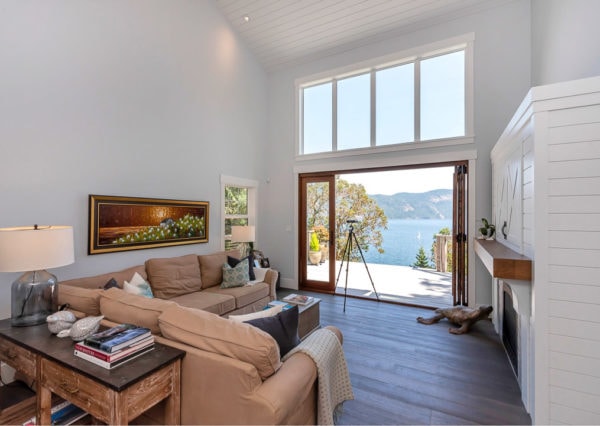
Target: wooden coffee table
(309, 319)
(112, 396)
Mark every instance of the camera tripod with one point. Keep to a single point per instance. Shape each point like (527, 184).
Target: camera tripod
(346, 257)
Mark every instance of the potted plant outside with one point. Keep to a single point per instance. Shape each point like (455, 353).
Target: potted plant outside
(323, 236)
(314, 249)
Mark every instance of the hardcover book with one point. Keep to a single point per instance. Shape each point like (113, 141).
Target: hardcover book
(273, 303)
(113, 364)
(113, 356)
(298, 299)
(120, 340)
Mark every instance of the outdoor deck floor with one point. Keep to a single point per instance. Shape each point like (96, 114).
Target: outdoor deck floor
(403, 284)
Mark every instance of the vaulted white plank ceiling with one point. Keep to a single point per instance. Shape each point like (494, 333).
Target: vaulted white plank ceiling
(284, 32)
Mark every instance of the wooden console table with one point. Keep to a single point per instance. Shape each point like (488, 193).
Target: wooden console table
(111, 396)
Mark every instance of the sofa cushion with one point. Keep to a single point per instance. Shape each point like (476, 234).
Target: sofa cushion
(81, 299)
(174, 276)
(283, 327)
(100, 281)
(211, 267)
(243, 295)
(121, 307)
(236, 276)
(212, 333)
(217, 303)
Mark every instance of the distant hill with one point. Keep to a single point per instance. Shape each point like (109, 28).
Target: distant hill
(436, 204)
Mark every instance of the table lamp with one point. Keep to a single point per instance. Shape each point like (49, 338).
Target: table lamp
(244, 235)
(33, 249)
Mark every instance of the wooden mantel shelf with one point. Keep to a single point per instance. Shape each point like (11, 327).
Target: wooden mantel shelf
(502, 262)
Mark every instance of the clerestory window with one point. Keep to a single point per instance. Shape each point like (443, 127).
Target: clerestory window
(410, 99)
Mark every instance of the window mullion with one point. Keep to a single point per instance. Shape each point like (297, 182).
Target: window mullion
(373, 109)
(301, 127)
(334, 115)
(417, 102)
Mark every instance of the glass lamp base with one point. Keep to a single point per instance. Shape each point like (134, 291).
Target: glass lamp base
(32, 298)
(245, 249)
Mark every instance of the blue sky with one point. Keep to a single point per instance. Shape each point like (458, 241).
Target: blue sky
(413, 180)
(441, 111)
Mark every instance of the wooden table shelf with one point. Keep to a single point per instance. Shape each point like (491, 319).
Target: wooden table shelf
(502, 262)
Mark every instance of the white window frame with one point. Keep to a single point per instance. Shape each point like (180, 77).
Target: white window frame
(416, 55)
(252, 186)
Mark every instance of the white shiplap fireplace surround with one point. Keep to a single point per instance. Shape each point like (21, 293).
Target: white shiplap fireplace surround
(546, 206)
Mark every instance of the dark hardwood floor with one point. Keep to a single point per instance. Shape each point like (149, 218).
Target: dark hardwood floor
(404, 372)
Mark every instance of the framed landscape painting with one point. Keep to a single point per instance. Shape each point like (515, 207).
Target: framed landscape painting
(133, 223)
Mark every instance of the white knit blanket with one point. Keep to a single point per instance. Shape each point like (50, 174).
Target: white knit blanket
(334, 385)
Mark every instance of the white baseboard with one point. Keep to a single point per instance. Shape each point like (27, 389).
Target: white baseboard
(289, 283)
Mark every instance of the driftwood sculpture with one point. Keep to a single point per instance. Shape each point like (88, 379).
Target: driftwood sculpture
(459, 315)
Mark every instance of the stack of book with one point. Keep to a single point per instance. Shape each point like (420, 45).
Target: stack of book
(298, 299)
(63, 413)
(115, 346)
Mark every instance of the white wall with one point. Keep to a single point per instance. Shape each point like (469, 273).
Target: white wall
(565, 36)
(502, 77)
(121, 97)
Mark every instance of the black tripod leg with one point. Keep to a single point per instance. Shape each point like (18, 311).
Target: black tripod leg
(342, 263)
(366, 267)
(346, 253)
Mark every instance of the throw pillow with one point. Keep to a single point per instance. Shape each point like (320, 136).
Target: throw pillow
(259, 274)
(236, 276)
(138, 285)
(272, 311)
(110, 284)
(283, 327)
(232, 261)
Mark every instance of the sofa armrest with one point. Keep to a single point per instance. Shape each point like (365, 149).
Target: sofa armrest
(271, 279)
(233, 393)
(285, 391)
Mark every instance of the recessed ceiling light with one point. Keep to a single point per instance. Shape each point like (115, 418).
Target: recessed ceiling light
(246, 18)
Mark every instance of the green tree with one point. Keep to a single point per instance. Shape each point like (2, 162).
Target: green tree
(422, 261)
(351, 201)
(236, 200)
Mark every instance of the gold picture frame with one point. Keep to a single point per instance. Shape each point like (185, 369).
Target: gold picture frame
(132, 223)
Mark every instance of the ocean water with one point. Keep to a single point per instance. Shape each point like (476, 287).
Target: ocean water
(402, 239)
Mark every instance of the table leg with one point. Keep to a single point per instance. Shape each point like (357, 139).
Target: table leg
(44, 401)
(118, 415)
(173, 401)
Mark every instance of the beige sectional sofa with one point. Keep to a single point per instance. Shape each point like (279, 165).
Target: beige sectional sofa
(232, 372)
(190, 280)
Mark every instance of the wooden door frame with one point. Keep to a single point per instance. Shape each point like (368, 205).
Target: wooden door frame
(468, 159)
(304, 282)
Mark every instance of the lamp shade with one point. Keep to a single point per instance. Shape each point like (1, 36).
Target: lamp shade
(242, 234)
(34, 248)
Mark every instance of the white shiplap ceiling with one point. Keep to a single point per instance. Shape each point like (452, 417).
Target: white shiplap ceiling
(284, 32)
